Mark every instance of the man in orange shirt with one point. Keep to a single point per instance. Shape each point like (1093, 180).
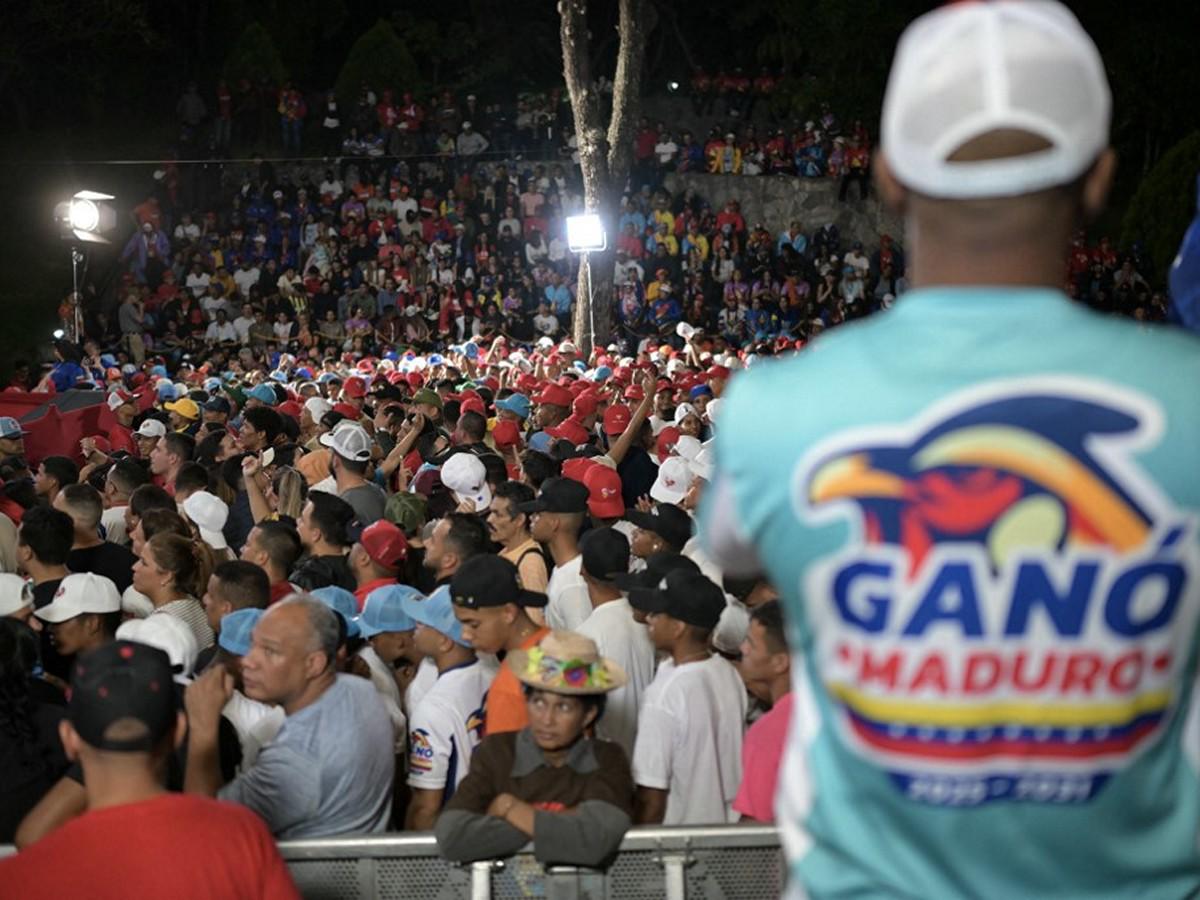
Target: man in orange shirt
(490, 604)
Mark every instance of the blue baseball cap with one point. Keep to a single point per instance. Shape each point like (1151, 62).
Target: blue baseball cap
(384, 610)
(342, 602)
(436, 359)
(237, 629)
(10, 428)
(541, 442)
(264, 393)
(515, 403)
(279, 376)
(325, 377)
(158, 371)
(108, 360)
(437, 612)
(700, 390)
(212, 385)
(601, 374)
(166, 391)
(471, 350)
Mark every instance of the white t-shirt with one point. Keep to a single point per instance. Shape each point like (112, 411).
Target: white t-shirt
(218, 332)
(197, 283)
(112, 520)
(626, 641)
(241, 325)
(447, 726)
(569, 604)
(389, 692)
(426, 677)
(256, 724)
(689, 740)
(246, 279)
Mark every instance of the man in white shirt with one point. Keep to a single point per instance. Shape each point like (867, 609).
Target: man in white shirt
(245, 278)
(447, 724)
(545, 322)
(197, 281)
(220, 330)
(242, 323)
(122, 480)
(617, 634)
(687, 761)
(555, 519)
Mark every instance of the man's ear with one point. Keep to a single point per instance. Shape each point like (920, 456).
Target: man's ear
(893, 193)
(70, 739)
(1097, 184)
(181, 727)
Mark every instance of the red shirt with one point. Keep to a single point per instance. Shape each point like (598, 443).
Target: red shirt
(174, 845)
(122, 438)
(360, 594)
(281, 589)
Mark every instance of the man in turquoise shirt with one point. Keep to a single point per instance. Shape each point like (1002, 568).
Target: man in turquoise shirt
(980, 510)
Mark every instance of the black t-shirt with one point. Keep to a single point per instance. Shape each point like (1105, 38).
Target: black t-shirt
(638, 473)
(315, 572)
(29, 765)
(106, 558)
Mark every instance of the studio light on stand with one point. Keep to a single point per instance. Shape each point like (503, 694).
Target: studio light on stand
(85, 218)
(585, 234)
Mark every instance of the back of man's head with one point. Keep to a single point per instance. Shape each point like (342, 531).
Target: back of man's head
(48, 533)
(61, 469)
(83, 504)
(466, 536)
(192, 477)
(243, 585)
(148, 497)
(332, 516)
(126, 476)
(281, 543)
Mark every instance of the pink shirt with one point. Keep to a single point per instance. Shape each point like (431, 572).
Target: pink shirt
(762, 750)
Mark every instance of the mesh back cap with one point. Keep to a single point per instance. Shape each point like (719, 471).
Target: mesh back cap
(971, 68)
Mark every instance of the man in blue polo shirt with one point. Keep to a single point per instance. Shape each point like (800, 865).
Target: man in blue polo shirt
(983, 522)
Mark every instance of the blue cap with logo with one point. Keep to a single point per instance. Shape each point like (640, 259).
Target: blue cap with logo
(237, 629)
(264, 393)
(342, 602)
(384, 610)
(10, 428)
(437, 612)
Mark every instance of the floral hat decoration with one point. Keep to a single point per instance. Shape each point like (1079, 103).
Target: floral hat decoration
(564, 662)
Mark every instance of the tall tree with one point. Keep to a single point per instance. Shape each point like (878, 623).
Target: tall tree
(605, 149)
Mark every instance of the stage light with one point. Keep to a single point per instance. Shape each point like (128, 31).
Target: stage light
(672, 86)
(58, 334)
(86, 217)
(585, 234)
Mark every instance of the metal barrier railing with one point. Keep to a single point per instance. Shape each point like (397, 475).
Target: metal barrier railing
(712, 862)
(718, 862)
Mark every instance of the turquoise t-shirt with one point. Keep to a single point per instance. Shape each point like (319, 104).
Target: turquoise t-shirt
(980, 510)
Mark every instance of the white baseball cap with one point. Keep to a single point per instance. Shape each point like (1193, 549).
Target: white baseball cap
(135, 603)
(317, 407)
(16, 594)
(82, 592)
(465, 475)
(967, 69)
(209, 512)
(151, 428)
(674, 479)
(169, 634)
(348, 440)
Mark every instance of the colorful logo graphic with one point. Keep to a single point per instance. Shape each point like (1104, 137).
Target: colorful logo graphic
(475, 724)
(420, 751)
(1010, 619)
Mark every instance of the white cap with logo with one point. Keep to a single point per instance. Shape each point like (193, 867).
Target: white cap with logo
(15, 594)
(968, 69)
(79, 593)
(348, 440)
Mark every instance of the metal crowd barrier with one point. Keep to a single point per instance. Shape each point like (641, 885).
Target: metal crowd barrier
(721, 862)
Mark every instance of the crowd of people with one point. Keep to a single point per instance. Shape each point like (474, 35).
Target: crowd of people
(458, 591)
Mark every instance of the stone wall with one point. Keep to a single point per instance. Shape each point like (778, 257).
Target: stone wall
(776, 201)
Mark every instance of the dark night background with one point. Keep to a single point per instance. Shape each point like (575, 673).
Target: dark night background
(85, 83)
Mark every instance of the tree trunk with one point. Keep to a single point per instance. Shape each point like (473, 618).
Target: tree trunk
(605, 152)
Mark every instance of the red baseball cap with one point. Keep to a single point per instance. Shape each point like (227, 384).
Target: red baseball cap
(473, 404)
(569, 430)
(635, 392)
(555, 395)
(577, 469)
(355, 387)
(416, 379)
(667, 439)
(604, 492)
(346, 410)
(585, 405)
(385, 544)
(291, 408)
(715, 372)
(506, 433)
(616, 419)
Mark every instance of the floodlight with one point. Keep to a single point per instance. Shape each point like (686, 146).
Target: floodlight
(585, 234)
(672, 86)
(58, 334)
(85, 217)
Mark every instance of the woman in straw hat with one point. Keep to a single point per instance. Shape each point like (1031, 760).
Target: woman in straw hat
(570, 793)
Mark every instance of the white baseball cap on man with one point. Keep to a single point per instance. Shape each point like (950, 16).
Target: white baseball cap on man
(170, 635)
(151, 428)
(210, 513)
(16, 594)
(348, 440)
(967, 69)
(465, 475)
(79, 593)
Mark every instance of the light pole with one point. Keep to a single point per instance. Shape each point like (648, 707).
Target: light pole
(84, 218)
(585, 235)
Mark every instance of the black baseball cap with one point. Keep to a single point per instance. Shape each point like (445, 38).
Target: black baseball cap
(687, 596)
(218, 405)
(658, 566)
(488, 580)
(666, 520)
(605, 552)
(559, 495)
(123, 681)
